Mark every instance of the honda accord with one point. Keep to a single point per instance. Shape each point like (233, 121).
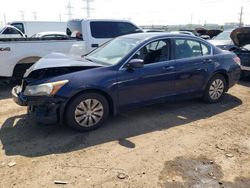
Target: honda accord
(127, 72)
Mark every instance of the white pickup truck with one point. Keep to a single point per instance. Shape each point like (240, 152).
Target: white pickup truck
(17, 55)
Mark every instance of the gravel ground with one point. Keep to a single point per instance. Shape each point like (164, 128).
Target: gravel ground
(186, 144)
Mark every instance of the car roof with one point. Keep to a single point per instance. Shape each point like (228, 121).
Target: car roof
(51, 32)
(146, 36)
(101, 20)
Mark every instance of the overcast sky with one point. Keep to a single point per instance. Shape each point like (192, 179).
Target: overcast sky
(167, 12)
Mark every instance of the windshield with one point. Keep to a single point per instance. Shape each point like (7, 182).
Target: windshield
(112, 52)
(225, 35)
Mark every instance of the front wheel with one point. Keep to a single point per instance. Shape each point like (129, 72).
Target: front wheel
(215, 89)
(87, 111)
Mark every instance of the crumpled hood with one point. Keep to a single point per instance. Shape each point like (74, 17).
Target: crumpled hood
(56, 60)
(241, 36)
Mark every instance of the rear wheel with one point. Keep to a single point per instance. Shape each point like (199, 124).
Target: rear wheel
(87, 111)
(215, 89)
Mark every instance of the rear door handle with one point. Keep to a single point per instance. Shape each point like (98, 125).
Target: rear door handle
(168, 68)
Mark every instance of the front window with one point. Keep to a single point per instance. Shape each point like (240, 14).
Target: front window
(114, 51)
(154, 52)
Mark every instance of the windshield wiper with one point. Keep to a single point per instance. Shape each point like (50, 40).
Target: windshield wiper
(88, 59)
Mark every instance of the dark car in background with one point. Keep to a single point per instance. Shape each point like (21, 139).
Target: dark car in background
(241, 40)
(209, 32)
(237, 41)
(127, 72)
(223, 40)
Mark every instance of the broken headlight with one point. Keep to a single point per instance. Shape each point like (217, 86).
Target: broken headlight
(47, 89)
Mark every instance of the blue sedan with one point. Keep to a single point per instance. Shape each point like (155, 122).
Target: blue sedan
(127, 72)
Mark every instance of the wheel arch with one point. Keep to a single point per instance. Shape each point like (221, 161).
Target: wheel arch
(224, 74)
(112, 108)
(24, 63)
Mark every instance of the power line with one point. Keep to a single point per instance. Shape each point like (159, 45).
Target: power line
(4, 18)
(69, 8)
(88, 7)
(34, 15)
(60, 17)
(22, 14)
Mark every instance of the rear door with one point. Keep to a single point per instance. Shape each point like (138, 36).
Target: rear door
(193, 59)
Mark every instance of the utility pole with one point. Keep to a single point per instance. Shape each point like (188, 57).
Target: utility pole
(4, 18)
(191, 20)
(241, 17)
(35, 15)
(22, 14)
(60, 17)
(69, 7)
(88, 7)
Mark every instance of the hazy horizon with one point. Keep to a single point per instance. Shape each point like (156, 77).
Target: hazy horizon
(157, 12)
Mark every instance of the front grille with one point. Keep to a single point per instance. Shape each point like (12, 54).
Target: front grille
(245, 61)
(244, 58)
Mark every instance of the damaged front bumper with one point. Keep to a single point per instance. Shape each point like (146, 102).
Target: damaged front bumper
(45, 109)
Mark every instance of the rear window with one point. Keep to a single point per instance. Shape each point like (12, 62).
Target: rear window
(18, 26)
(100, 29)
(187, 48)
(74, 29)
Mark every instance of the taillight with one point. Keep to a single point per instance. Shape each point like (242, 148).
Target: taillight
(237, 60)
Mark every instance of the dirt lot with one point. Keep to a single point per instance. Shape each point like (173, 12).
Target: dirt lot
(187, 144)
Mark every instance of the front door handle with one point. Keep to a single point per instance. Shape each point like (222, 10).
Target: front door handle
(168, 68)
(94, 45)
(208, 60)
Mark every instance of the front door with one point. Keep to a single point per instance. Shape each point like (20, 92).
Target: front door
(153, 81)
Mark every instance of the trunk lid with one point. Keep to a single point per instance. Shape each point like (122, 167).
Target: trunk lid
(241, 36)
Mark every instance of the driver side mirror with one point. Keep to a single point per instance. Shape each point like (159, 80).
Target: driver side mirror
(135, 63)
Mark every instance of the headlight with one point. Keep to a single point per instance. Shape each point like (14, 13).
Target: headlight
(46, 89)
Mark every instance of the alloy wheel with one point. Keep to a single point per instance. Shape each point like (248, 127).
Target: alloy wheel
(89, 112)
(216, 89)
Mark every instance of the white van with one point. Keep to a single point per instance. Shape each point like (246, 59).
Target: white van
(29, 28)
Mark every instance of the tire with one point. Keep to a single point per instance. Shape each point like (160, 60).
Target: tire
(87, 112)
(215, 90)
